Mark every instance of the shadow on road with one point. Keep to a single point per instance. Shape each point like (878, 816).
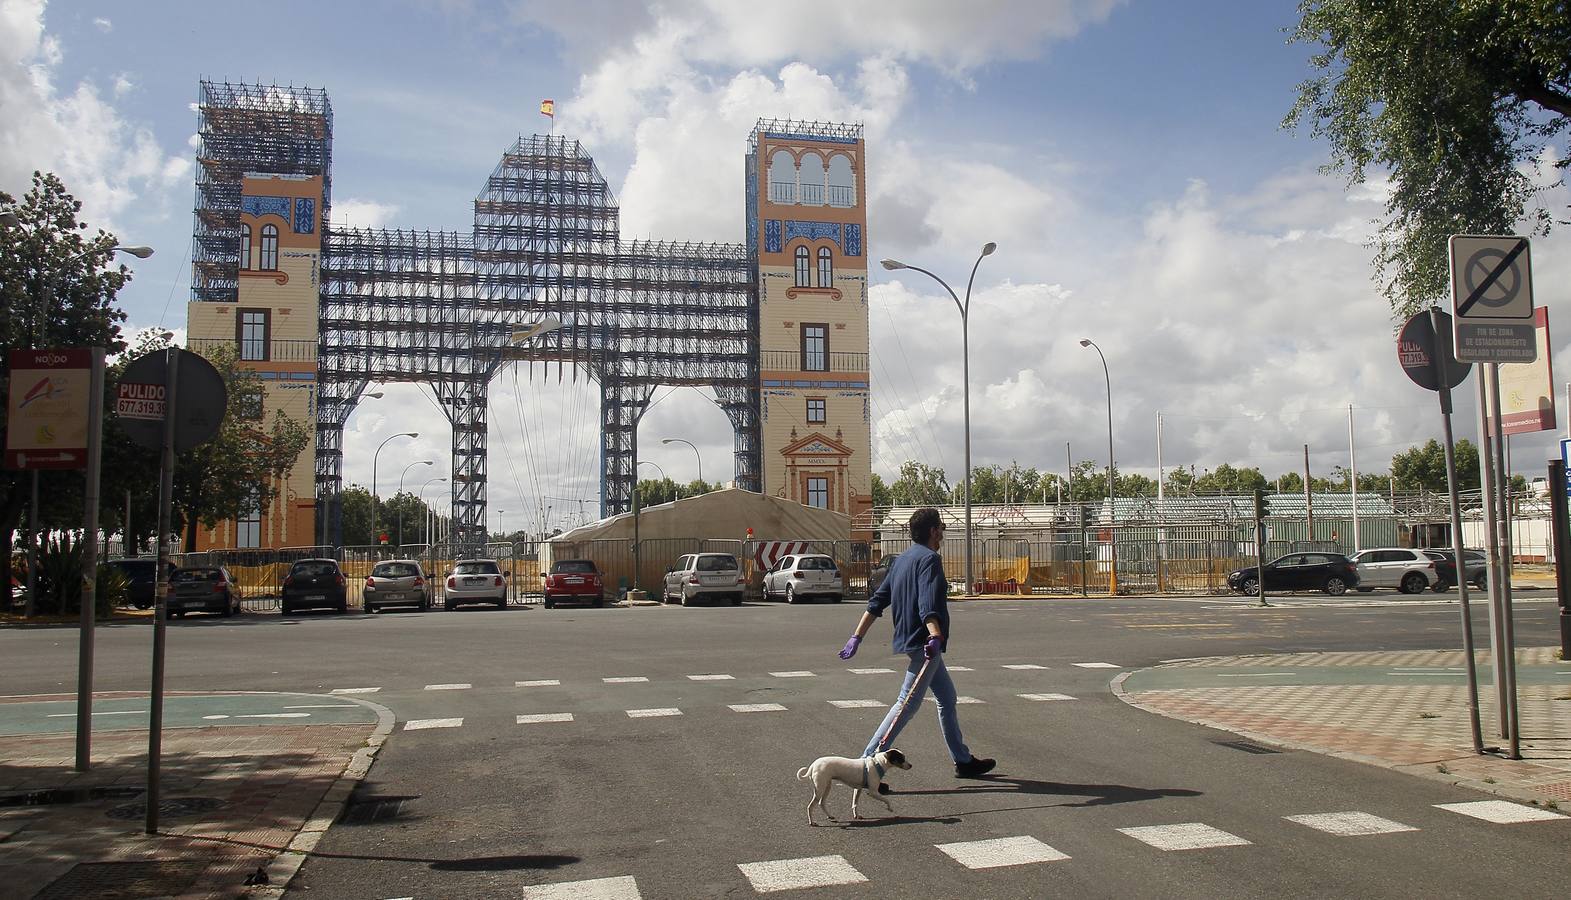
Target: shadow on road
(1095, 794)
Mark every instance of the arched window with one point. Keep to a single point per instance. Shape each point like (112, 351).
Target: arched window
(245, 246)
(811, 176)
(782, 177)
(826, 268)
(269, 247)
(803, 273)
(842, 181)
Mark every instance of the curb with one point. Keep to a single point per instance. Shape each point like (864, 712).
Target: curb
(287, 863)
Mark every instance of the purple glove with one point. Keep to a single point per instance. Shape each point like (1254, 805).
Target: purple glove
(849, 650)
(933, 647)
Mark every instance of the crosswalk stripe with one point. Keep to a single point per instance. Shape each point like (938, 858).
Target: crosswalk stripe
(1024, 666)
(794, 874)
(653, 713)
(422, 724)
(992, 854)
(355, 690)
(1097, 665)
(793, 674)
(623, 888)
(448, 687)
(1185, 836)
(858, 704)
(968, 700)
(542, 682)
(625, 679)
(1040, 697)
(538, 718)
(757, 707)
(1349, 824)
(1501, 812)
(711, 678)
(960, 668)
(877, 671)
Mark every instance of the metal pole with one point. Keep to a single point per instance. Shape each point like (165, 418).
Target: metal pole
(32, 550)
(166, 490)
(1309, 500)
(1352, 459)
(84, 666)
(1507, 626)
(965, 377)
(128, 544)
(1491, 543)
(1558, 505)
(635, 503)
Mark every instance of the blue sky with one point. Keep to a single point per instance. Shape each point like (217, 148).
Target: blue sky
(1126, 156)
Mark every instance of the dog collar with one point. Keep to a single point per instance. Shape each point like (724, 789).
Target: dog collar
(867, 773)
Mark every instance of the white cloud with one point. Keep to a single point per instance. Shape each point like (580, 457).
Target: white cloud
(123, 85)
(356, 213)
(104, 25)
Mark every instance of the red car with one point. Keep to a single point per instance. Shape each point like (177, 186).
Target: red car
(574, 579)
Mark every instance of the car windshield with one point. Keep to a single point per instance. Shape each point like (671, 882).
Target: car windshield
(820, 563)
(715, 563)
(481, 567)
(395, 570)
(199, 575)
(573, 567)
(314, 568)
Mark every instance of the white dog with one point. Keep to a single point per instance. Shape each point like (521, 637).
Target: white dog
(862, 775)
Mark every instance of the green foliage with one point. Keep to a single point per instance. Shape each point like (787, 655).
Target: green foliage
(919, 485)
(1225, 479)
(356, 517)
(1462, 102)
(653, 492)
(1424, 466)
(60, 581)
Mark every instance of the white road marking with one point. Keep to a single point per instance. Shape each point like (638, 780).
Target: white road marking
(711, 678)
(110, 712)
(1441, 674)
(538, 718)
(1186, 836)
(1024, 666)
(757, 707)
(542, 682)
(1098, 665)
(1501, 812)
(260, 716)
(960, 669)
(793, 674)
(858, 704)
(421, 724)
(879, 671)
(959, 700)
(625, 679)
(326, 706)
(624, 888)
(1350, 824)
(1010, 851)
(448, 687)
(1045, 696)
(1256, 675)
(792, 874)
(355, 690)
(653, 713)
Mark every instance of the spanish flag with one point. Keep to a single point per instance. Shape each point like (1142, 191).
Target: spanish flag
(548, 108)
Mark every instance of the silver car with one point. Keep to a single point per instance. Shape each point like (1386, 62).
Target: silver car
(396, 582)
(475, 581)
(695, 576)
(800, 577)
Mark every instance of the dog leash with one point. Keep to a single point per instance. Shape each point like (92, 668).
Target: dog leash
(920, 674)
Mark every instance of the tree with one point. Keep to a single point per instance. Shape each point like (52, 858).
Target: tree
(880, 492)
(1424, 467)
(1225, 479)
(653, 492)
(919, 485)
(55, 291)
(356, 508)
(1462, 102)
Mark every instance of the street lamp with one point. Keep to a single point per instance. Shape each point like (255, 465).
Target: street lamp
(374, 457)
(695, 453)
(1112, 517)
(499, 514)
(428, 508)
(965, 357)
(421, 462)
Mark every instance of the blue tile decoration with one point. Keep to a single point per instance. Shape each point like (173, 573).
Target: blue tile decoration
(772, 241)
(305, 215)
(813, 231)
(853, 245)
(265, 206)
(821, 138)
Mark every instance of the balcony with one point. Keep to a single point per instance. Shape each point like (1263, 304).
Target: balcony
(812, 194)
(782, 192)
(795, 361)
(257, 351)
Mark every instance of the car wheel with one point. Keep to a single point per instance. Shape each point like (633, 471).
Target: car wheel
(285, 609)
(1441, 586)
(341, 608)
(1480, 584)
(598, 602)
(447, 605)
(736, 599)
(230, 608)
(686, 601)
(1414, 583)
(501, 602)
(790, 594)
(177, 615)
(1335, 586)
(1250, 587)
(835, 598)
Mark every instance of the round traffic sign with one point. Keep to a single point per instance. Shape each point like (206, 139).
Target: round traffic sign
(1416, 347)
(200, 400)
(1480, 271)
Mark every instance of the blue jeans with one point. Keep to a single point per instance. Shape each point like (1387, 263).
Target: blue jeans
(943, 691)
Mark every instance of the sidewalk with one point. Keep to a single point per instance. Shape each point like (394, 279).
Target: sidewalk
(1402, 710)
(234, 798)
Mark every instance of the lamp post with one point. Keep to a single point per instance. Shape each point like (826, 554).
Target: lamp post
(965, 363)
(428, 508)
(1112, 517)
(420, 462)
(374, 456)
(499, 514)
(695, 453)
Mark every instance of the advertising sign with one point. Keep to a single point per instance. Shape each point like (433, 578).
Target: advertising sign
(1527, 391)
(48, 406)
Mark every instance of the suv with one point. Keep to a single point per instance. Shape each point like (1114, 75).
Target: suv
(799, 577)
(1477, 566)
(696, 575)
(1329, 572)
(141, 575)
(576, 579)
(311, 583)
(475, 581)
(202, 589)
(1409, 571)
(396, 582)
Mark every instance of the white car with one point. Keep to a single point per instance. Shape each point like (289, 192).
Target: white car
(799, 577)
(697, 575)
(1409, 571)
(475, 581)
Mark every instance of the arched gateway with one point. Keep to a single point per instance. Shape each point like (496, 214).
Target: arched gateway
(325, 312)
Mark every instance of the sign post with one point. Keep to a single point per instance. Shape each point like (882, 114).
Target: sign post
(1559, 479)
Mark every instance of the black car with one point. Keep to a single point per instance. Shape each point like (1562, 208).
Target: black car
(142, 579)
(877, 575)
(314, 583)
(1445, 569)
(1329, 572)
(202, 589)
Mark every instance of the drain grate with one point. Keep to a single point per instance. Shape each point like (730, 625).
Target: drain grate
(1245, 746)
(124, 880)
(59, 796)
(171, 808)
(372, 810)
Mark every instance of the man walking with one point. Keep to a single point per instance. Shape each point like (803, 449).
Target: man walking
(919, 592)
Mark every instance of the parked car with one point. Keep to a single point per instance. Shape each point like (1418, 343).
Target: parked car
(877, 575)
(202, 589)
(806, 575)
(715, 576)
(475, 581)
(314, 583)
(574, 579)
(1477, 566)
(396, 582)
(141, 574)
(1409, 571)
(1329, 572)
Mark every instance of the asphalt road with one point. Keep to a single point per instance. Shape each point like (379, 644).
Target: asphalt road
(674, 805)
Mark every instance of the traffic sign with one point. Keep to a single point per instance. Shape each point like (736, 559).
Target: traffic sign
(1492, 299)
(1416, 347)
(50, 396)
(200, 400)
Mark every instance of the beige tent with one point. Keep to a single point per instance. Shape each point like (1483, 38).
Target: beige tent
(713, 522)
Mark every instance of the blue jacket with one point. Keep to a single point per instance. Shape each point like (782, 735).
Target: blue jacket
(917, 589)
